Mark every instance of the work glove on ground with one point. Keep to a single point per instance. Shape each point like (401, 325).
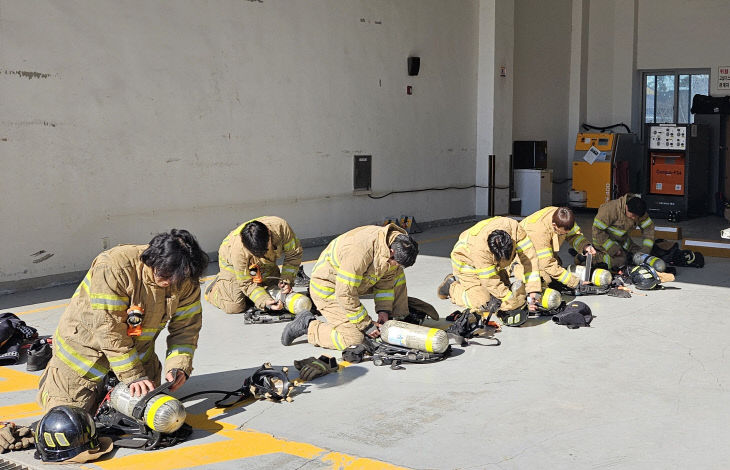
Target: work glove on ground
(14, 437)
(311, 367)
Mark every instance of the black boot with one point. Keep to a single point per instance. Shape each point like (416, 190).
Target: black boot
(296, 328)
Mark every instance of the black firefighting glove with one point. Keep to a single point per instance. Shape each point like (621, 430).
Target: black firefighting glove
(311, 367)
(14, 437)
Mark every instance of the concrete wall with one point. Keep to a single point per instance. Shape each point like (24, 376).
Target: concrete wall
(123, 119)
(542, 81)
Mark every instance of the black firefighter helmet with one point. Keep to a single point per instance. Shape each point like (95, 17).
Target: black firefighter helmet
(644, 277)
(68, 433)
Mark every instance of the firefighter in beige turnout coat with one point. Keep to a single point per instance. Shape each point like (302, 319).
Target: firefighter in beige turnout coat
(354, 264)
(612, 230)
(479, 276)
(92, 336)
(234, 285)
(548, 236)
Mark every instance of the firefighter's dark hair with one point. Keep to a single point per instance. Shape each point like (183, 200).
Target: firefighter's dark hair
(175, 256)
(405, 250)
(255, 236)
(564, 218)
(636, 206)
(500, 244)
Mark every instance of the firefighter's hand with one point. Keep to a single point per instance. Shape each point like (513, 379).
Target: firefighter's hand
(141, 387)
(177, 377)
(590, 249)
(534, 300)
(372, 331)
(383, 317)
(274, 304)
(285, 286)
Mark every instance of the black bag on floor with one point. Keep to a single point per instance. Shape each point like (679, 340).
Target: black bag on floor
(573, 315)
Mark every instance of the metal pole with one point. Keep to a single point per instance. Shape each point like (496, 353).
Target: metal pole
(491, 185)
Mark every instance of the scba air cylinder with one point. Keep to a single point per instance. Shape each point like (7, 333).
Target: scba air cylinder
(294, 302)
(653, 261)
(599, 277)
(413, 336)
(550, 299)
(163, 413)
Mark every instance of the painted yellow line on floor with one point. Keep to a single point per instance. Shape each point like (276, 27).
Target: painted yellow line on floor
(355, 463)
(42, 309)
(16, 380)
(23, 410)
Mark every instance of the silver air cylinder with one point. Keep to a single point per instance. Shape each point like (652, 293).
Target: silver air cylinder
(599, 277)
(653, 261)
(294, 302)
(550, 299)
(163, 413)
(412, 336)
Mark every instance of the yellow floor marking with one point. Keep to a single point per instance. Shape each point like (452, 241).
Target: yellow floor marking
(43, 309)
(349, 462)
(23, 410)
(16, 380)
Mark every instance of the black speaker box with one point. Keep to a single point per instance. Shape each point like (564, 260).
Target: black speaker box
(414, 65)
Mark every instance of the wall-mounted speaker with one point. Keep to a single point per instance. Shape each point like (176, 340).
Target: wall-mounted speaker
(414, 65)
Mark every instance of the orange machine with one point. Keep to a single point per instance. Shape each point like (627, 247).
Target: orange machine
(667, 173)
(606, 177)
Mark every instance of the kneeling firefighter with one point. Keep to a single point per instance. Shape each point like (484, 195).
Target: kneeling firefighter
(480, 280)
(128, 296)
(249, 277)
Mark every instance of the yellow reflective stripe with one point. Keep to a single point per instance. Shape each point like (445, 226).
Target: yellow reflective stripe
(578, 241)
(226, 266)
(400, 280)
(479, 226)
(626, 244)
(648, 242)
(320, 290)
(507, 297)
(384, 294)
(159, 400)
(289, 269)
(83, 285)
(347, 280)
(147, 354)
(429, 339)
(124, 362)
(600, 224)
(607, 260)
(564, 277)
(180, 350)
(336, 339)
(646, 223)
(257, 293)
(290, 245)
(616, 231)
(465, 299)
(148, 334)
(573, 230)
(187, 311)
(608, 244)
(358, 316)
(538, 215)
(81, 365)
(109, 302)
(547, 253)
(524, 244)
(532, 276)
(462, 267)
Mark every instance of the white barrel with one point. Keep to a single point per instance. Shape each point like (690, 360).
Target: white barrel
(653, 261)
(294, 302)
(413, 336)
(577, 198)
(163, 413)
(550, 299)
(599, 277)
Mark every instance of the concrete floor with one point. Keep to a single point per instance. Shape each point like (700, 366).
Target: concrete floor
(644, 387)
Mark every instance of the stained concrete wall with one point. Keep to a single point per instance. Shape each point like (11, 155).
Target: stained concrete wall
(123, 119)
